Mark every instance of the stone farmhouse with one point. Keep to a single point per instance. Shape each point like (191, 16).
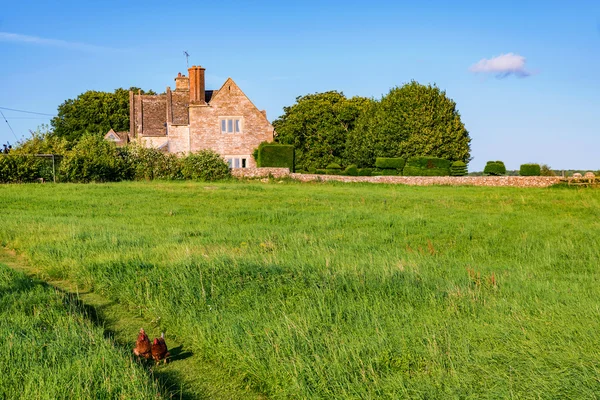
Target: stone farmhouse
(191, 118)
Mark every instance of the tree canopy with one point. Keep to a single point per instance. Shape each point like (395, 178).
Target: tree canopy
(317, 125)
(93, 112)
(412, 120)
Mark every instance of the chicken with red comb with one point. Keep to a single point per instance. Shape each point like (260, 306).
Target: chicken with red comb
(142, 345)
(159, 349)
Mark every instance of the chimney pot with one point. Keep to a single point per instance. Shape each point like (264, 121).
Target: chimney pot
(197, 85)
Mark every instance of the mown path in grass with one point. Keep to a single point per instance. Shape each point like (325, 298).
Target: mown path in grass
(186, 376)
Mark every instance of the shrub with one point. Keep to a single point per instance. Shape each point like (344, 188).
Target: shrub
(390, 163)
(546, 170)
(426, 166)
(19, 168)
(275, 155)
(321, 171)
(494, 168)
(312, 170)
(333, 166)
(530, 170)
(334, 171)
(365, 172)
(351, 170)
(149, 163)
(93, 159)
(390, 172)
(204, 165)
(375, 172)
(458, 168)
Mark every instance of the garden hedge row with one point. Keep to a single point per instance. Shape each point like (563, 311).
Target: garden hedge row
(426, 166)
(530, 170)
(275, 156)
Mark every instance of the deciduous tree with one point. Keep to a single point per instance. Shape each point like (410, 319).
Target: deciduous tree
(317, 125)
(93, 112)
(412, 120)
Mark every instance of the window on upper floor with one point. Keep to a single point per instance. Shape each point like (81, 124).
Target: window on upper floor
(231, 125)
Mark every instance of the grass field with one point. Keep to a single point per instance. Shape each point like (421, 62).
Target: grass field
(338, 290)
(51, 351)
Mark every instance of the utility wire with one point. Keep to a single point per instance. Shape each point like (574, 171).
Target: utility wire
(11, 129)
(27, 112)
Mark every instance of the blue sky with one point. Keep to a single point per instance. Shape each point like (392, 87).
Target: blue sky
(546, 110)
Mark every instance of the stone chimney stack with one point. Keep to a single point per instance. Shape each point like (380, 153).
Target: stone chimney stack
(197, 85)
(182, 83)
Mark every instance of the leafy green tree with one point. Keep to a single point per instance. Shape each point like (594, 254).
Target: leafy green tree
(42, 141)
(412, 120)
(93, 112)
(317, 125)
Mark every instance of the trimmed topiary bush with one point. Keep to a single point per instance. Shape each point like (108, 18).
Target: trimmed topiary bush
(312, 170)
(333, 166)
(426, 166)
(320, 171)
(365, 172)
(390, 163)
(351, 170)
(390, 172)
(275, 155)
(494, 168)
(458, 168)
(530, 170)
(205, 165)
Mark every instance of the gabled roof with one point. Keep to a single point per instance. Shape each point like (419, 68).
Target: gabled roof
(230, 81)
(118, 137)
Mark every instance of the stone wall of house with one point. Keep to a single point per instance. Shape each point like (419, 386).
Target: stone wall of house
(153, 141)
(179, 138)
(230, 101)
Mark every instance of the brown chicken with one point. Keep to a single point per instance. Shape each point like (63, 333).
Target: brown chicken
(142, 345)
(159, 349)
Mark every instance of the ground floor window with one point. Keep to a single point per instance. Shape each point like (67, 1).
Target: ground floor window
(237, 161)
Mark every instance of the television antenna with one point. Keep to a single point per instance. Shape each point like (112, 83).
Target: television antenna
(187, 56)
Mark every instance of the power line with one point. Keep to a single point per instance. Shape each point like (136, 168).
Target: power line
(11, 129)
(27, 112)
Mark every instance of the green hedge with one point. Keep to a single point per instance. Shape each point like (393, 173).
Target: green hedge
(365, 172)
(494, 168)
(351, 170)
(22, 168)
(426, 166)
(276, 156)
(530, 170)
(458, 168)
(333, 166)
(390, 163)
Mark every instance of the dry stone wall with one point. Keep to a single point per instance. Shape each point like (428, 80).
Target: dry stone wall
(515, 181)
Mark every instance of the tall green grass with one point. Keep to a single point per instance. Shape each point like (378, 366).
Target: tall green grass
(49, 350)
(338, 290)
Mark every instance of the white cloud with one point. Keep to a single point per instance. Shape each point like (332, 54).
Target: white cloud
(18, 38)
(503, 66)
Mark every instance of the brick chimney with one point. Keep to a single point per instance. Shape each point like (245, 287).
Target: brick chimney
(197, 85)
(182, 83)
